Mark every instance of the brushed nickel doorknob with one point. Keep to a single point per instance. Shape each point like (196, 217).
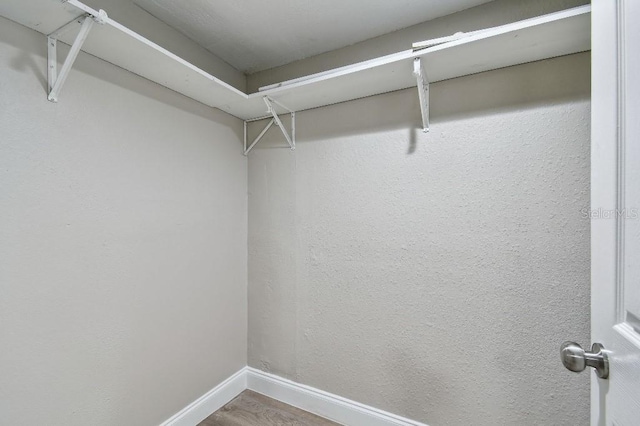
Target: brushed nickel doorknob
(576, 359)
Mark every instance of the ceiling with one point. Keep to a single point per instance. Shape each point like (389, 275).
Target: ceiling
(254, 35)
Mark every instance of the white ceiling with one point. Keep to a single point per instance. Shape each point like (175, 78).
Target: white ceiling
(253, 35)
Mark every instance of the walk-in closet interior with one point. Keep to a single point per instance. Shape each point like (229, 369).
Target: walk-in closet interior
(366, 212)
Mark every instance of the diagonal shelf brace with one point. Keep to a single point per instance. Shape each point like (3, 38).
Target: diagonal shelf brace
(56, 80)
(275, 119)
(257, 139)
(423, 92)
(290, 139)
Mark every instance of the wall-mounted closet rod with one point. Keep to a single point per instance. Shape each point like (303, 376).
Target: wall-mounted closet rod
(460, 54)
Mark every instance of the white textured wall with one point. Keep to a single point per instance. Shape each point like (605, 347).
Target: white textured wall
(122, 244)
(433, 276)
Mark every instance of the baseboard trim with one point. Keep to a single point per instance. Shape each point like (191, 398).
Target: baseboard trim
(324, 404)
(321, 403)
(210, 402)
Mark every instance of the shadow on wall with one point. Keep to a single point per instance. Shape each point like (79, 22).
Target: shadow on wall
(26, 62)
(455, 99)
(33, 56)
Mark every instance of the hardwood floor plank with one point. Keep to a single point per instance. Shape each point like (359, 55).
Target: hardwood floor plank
(253, 409)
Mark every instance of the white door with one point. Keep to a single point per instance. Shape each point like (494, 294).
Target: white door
(615, 204)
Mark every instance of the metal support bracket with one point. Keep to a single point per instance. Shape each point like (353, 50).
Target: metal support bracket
(423, 92)
(56, 80)
(275, 119)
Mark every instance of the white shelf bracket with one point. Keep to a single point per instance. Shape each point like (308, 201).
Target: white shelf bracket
(56, 79)
(275, 119)
(423, 92)
(291, 139)
(257, 139)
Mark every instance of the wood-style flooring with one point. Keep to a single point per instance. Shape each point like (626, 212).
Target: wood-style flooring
(253, 409)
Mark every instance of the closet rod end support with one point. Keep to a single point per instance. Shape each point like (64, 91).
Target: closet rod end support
(101, 18)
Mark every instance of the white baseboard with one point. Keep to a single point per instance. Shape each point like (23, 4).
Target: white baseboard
(323, 404)
(210, 402)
